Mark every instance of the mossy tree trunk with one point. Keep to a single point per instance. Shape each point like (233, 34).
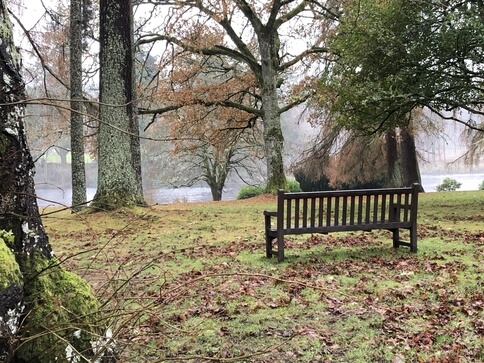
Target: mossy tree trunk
(17, 197)
(46, 313)
(273, 137)
(78, 170)
(119, 181)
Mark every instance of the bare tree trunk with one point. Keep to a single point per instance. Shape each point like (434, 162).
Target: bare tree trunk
(215, 174)
(393, 175)
(401, 157)
(78, 170)
(119, 180)
(216, 191)
(41, 304)
(135, 127)
(410, 168)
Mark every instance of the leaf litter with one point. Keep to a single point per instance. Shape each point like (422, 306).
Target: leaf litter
(209, 294)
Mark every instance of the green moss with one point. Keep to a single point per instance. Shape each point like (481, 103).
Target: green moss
(275, 183)
(9, 269)
(7, 236)
(114, 199)
(61, 311)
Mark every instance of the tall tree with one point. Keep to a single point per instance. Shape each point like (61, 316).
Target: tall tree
(78, 170)
(119, 178)
(212, 141)
(50, 47)
(278, 43)
(52, 312)
(394, 57)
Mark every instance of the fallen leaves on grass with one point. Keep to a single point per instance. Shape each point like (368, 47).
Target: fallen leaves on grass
(196, 299)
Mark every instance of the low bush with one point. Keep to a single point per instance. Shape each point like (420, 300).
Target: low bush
(481, 186)
(448, 185)
(293, 186)
(250, 191)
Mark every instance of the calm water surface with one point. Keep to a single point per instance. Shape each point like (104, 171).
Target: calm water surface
(199, 194)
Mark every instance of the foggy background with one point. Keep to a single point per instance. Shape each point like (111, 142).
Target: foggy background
(440, 157)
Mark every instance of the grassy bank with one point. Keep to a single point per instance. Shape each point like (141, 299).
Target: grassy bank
(189, 282)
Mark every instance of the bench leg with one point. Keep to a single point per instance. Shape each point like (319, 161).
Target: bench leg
(280, 246)
(413, 239)
(280, 249)
(396, 238)
(269, 246)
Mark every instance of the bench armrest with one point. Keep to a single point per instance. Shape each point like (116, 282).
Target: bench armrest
(267, 219)
(270, 213)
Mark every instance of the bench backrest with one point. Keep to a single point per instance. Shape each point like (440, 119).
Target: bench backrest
(342, 209)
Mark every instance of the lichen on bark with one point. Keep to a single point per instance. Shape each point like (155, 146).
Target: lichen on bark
(11, 293)
(119, 179)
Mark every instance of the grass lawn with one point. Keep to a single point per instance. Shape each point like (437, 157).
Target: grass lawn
(189, 282)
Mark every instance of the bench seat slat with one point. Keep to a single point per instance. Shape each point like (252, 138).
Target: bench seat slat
(342, 228)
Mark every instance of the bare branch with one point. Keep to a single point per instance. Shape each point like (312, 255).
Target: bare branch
(45, 66)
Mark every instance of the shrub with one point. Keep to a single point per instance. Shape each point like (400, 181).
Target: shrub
(481, 186)
(448, 185)
(249, 191)
(293, 186)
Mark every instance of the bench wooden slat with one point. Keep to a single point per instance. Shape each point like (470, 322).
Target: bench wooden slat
(305, 213)
(375, 210)
(336, 210)
(289, 211)
(368, 206)
(352, 210)
(345, 211)
(328, 211)
(406, 209)
(296, 213)
(360, 208)
(383, 207)
(320, 211)
(313, 212)
(347, 228)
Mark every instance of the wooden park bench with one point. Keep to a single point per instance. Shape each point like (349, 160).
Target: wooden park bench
(343, 210)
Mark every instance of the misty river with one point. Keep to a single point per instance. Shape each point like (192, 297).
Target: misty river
(53, 196)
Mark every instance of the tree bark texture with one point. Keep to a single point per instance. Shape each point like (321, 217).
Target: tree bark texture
(401, 157)
(410, 168)
(18, 208)
(78, 170)
(393, 178)
(215, 174)
(119, 181)
(18, 205)
(37, 296)
(273, 137)
(135, 127)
